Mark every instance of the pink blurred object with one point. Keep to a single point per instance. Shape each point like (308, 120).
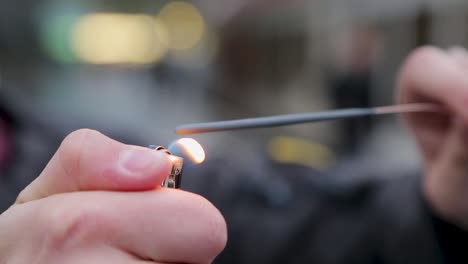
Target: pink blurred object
(5, 144)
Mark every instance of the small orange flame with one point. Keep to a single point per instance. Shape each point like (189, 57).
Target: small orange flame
(192, 149)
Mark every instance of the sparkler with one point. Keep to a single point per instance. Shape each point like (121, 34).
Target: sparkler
(282, 120)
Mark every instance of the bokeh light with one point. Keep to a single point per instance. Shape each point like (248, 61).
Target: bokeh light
(185, 25)
(292, 150)
(112, 38)
(55, 37)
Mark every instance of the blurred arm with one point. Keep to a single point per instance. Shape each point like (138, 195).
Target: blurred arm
(320, 220)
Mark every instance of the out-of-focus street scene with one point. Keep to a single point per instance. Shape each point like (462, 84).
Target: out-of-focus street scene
(139, 68)
(135, 70)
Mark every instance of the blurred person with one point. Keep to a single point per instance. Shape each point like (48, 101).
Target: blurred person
(95, 201)
(28, 139)
(26, 143)
(350, 81)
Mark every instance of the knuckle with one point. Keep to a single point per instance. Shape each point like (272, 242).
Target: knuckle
(77, 135)
(71, 226)
(71, 148)
(420, 57)
(425, 53)
(416, 67)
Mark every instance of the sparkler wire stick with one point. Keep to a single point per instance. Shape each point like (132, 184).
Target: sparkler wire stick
(290, 119)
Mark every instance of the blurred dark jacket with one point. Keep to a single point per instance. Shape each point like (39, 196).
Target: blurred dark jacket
(292, 214)
(279, 213)
(33, 143)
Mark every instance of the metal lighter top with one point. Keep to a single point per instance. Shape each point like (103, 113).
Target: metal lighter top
(174, 179)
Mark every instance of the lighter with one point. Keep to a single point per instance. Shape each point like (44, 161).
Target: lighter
(178, 150)
(175, 176)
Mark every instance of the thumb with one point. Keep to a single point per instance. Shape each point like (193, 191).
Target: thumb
(87, 160)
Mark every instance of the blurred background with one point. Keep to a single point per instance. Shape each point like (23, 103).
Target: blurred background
(136, 69)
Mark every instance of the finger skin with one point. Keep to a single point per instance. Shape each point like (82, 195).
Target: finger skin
(433, 75)
(91, 254)
(88, 160)
(446, 183)
(164, 226)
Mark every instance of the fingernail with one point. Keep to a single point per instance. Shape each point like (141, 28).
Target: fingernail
(138, 159)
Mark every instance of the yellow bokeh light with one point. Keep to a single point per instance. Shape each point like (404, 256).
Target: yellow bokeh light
(292, 150)
(111, 38)
(185, 25)
(193, 149)
(200, 56)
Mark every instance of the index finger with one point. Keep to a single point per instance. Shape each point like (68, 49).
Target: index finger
(431, 74)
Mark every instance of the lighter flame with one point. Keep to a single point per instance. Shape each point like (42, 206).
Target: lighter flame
(193, 149)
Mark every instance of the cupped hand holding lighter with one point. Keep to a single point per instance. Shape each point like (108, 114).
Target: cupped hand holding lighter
(96, 200)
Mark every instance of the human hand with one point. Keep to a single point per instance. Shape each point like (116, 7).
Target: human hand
(96, 202)
(441, 77)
